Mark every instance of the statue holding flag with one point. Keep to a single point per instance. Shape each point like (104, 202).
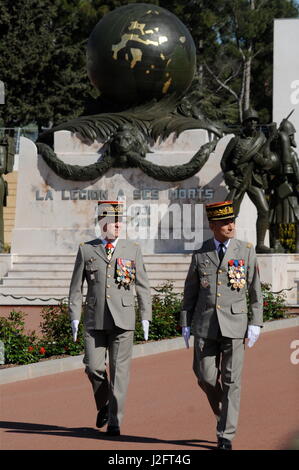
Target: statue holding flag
(283, 191)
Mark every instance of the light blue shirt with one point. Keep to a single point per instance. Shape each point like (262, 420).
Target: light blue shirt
(217, 243)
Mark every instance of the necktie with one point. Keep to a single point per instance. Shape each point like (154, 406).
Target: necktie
(109, 250)
(221, 251)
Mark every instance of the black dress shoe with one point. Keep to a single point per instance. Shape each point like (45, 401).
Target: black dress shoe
(102, 417)
(224, 444)
(113, 431)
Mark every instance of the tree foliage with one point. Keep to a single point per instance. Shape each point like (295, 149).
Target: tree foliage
(235, 53)
(43, 44)
(42, 61)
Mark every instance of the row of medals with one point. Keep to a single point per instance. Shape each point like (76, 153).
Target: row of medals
(125, 273)
(236, 276)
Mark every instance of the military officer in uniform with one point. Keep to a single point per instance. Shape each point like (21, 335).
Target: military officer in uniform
(215, 305)
(112, 267)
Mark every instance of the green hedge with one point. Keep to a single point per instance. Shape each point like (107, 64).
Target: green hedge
(56, 339)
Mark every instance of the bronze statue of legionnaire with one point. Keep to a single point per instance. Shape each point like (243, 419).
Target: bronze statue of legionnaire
(245, 171)
(284, 185)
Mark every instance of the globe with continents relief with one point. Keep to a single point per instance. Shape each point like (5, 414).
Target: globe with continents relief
(140, 52)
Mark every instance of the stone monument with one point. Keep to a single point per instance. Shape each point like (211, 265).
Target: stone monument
(142, 66)
(153, 149)
(165, 177)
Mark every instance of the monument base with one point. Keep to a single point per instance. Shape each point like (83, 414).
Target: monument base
(281, 271)
(55, 215)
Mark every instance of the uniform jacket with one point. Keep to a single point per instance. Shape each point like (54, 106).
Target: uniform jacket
(93, 266)
(211, 302)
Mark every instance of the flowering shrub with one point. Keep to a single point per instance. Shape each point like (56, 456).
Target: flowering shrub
(19, 347)
(57, 334)
(273, 303)
(166, 307)
(24, 348)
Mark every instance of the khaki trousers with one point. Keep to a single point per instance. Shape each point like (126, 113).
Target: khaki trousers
(218, 366)
(118, 343)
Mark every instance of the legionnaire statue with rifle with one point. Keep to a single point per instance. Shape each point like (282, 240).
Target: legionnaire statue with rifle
(245, 171)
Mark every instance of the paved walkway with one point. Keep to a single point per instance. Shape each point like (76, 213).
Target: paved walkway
(165, 409)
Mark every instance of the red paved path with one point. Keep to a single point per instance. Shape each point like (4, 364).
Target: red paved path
(165, 408)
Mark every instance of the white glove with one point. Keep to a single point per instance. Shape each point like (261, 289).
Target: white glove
(186, 334)
(145, 327)
(252, 334)
(74, 325)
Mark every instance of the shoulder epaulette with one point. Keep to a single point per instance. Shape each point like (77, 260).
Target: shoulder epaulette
(249, 245)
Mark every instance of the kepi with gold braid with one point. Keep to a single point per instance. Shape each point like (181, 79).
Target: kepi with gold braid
(111, 209)
(220, 210)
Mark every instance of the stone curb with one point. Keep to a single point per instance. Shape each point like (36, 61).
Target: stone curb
(54, 366)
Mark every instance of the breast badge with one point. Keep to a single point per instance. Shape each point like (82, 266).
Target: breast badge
(236, 273)
(204, 282)
(92, 269)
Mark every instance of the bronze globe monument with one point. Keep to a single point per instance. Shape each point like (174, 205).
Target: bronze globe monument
(142, 60)
(140, 52)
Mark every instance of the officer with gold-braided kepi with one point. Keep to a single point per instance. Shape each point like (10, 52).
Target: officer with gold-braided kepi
(220, 273)
(113, 268)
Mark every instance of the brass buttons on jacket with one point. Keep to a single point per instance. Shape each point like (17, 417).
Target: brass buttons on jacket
(218, 295)
(108, 296)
